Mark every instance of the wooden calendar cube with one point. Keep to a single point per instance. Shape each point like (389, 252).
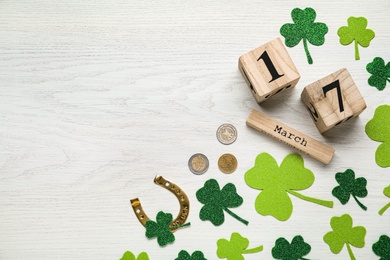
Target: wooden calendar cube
(333, 100)
(268, 70)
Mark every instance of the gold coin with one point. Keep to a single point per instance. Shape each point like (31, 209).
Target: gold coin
(227, 163)
(198, 163)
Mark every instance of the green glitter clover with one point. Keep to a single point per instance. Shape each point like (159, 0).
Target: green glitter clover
(130, 256)
(378, 129)
(380, 73)
(235, 248)
(386, 191)
(350, 186)
(356, 31)
(304, 28)
(162, 229)
(277, 182)
(295, 251)
(382, 247)
(344, 233)
(184, 255)
(217, 201)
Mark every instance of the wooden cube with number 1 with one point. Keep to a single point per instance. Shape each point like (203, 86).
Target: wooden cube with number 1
(268, 70)
(333, 100)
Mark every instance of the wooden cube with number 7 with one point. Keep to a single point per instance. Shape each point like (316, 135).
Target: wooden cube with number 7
(268, 70)
(333, 100)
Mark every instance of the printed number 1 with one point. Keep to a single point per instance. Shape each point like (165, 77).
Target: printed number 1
(270, 66)
(329, 87)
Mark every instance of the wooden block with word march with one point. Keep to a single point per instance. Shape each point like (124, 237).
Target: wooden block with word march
(268, 70)
(290, 136)
(333, 100)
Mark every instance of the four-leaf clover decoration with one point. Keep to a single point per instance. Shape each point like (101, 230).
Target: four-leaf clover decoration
(350, 186)
(382, 247)
(130, 256)
(344, 233)
(277, 182)
(386, 191)
(304, 28)
(356, 31)
(184, 255)
(378, 129)
(162, 229)
(235, 248)
(295, 251)
(217, 201)
(380, 73)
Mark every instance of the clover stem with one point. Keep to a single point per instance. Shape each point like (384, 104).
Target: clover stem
(382, 210)
(350, 252)
(325, 203)
(236, 217)
(357, 56)
(303, 258)
(309, 59)
(253, 250)
(359, 203)
(177, 227)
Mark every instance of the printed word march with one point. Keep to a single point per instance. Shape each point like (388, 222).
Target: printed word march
(289, 135)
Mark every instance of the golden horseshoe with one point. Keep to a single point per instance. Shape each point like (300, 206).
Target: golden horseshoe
(180, 195)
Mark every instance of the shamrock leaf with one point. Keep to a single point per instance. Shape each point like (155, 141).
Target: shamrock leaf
(380, 73)
(184, 255)
(277, 182)
(378, 129)
(285, 251)
(304, 28)
(356, 31)
(386, 191)
(162, 229)
(344, 233)
(382, 247)
(130, 256)
(216, 201)
(233, 249)
(350, 186)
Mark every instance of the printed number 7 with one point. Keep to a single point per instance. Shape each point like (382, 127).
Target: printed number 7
(329, 87)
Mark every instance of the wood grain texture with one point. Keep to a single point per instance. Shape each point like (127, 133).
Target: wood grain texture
(268, 75)
(304, 143)
(98, 97)
(333, 100)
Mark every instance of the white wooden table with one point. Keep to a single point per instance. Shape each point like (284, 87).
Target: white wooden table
(98, 97)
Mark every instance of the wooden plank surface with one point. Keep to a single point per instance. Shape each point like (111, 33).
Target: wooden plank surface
(304, 143)
(99, 97)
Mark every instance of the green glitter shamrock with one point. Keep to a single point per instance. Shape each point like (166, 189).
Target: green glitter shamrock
(184, 255)
(130, 256)
(350, 186)
(216, 201)
(233, 249)
(386, 191)
(304, 28)
(382, 247)
(378, 129)
(162, 229)
(296, 250)
(356, 31)
(380, 73)
(344, 233)
(277, 182)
